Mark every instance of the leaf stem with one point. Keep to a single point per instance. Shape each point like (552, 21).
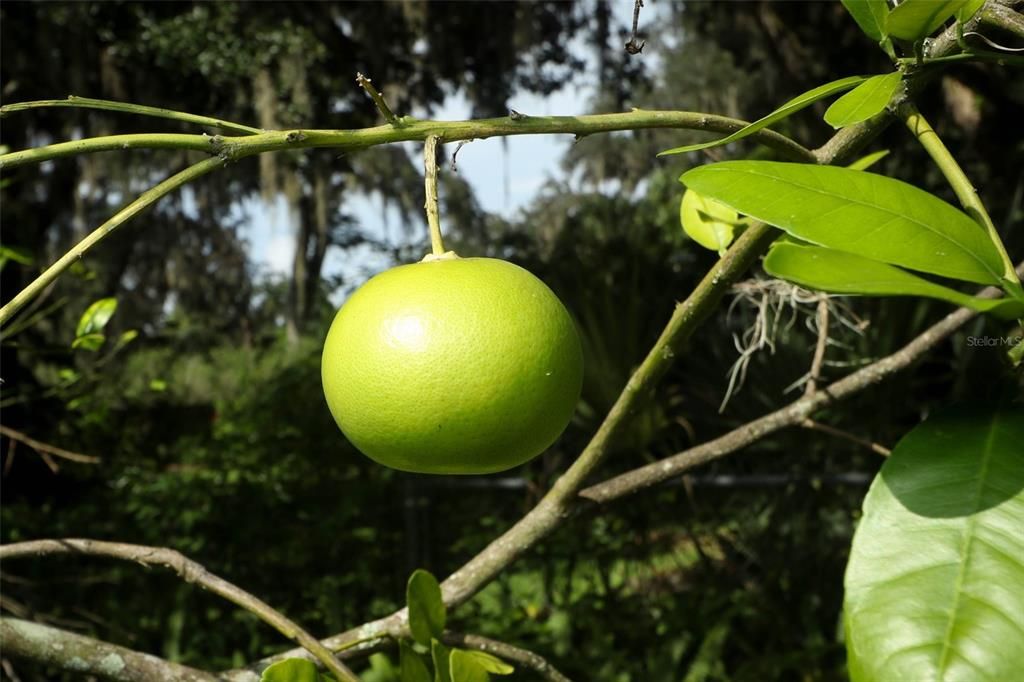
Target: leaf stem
(958, 180)
(129, 108)
(150, 196)
(430, 189)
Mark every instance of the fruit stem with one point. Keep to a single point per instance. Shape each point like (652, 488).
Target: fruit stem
(430, 185)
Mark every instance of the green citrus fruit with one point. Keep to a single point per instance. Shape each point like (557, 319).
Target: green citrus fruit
(452, 366)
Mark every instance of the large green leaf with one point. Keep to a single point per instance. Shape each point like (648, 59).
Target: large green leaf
(816, 267)
(864, 101)
(870, 16)
(915, 19)
(862, 213)
(791, 107)
(968, 10)
(426, 609)
(934, 583)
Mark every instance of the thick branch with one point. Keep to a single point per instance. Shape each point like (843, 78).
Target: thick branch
(1005, 18)
(791, 415)
(86, 656)
(191, 572)
(411, 130)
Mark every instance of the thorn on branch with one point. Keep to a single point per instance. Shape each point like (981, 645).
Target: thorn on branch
(515, 115)
(378, 99)
(455, 154)
(634, 46)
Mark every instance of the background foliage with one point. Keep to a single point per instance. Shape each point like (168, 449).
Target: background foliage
(212, 428)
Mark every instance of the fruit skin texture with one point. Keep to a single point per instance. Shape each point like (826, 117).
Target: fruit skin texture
(452, 366)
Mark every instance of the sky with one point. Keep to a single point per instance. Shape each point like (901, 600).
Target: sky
(504, 178)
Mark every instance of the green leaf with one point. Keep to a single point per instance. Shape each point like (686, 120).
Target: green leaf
(836, 272)
(968, 10)
(933, 586)
(916, 19)
(158, 385)
(864, 101)
(465, 667)
(412, 666)
(865, 162)
(440, 654)
(870, 16)
(426, 609)
(857, 212)
(16, 254)
(91, 342)
(791, 107)
(490, 663)
(96, 316)
(291, 670)
(707, 222)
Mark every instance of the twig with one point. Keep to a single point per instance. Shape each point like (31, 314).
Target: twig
(378, 99)
(147, 198)
(846, 435)
(634, 46)
(430, 192)
(819, 349)
(48, 449)
(957, 179)
(129, 108)
(191, 572)
(523, 657)
(791, 415)
(55, 647)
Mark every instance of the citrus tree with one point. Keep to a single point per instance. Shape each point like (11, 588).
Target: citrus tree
(932, 585)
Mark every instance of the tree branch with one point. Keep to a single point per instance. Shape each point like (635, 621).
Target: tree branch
(48, 449)
(191, 572)
(235, 148)
(793, 414)
(523, 657)
(128, 108)
(87, 656)
(146, 199)
(1002, 17)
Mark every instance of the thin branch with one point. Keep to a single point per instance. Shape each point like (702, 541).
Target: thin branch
(129, 108)
(235, 148)
(819, 349)
(846, 435)
(89, 145)
(41, 447)
(634, 46)
(191, 572)
(147, 198)
(430, 192)
(958, 180)
(378, 99)
(791, 415)
(523, 657)
(83, 655)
